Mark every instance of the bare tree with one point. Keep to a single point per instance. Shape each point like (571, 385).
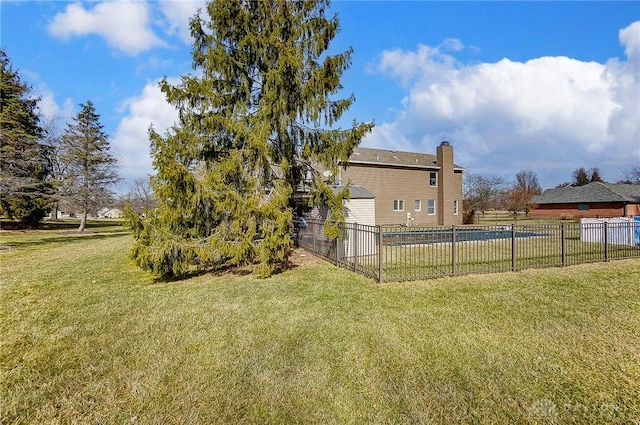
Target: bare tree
(523, 189)
(481, 193)
(140, 196)
(631, 175)
(52, 141)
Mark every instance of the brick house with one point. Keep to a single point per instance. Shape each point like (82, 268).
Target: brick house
(594, 200)
(414, 189)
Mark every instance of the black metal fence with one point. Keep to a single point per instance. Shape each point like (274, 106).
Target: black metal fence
(397, 253)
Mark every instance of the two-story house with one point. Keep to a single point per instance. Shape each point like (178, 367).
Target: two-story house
(413, 189)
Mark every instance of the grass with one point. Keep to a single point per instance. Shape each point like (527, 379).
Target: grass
(88, 338)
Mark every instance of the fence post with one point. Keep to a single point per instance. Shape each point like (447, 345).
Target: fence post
(563, 244)
(355, 246)
(313, 232)
(379, 243)
(513, 247)
(453, 250)
(606, 241)
(338, 240)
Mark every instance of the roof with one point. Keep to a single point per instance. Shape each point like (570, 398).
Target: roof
(397, 158)
(356, 191)
(592, 192)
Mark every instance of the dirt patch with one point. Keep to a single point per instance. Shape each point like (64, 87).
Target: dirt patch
(300, 257)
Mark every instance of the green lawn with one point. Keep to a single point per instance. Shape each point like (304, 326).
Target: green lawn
(88, 338)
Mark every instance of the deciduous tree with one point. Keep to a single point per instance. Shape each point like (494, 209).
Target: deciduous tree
(631, 175)
(52, 142)
(90, 168)
(140, 196)
(480, 194)
(253, 120)
(522, 190)
(24, 192)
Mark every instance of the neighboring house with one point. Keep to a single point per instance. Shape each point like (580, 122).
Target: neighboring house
(102, 211)
(113, 213)
(594, 200)
(412, 189)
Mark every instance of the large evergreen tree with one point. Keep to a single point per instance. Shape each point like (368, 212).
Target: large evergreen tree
(24, 193)
(252, 121)
(89, 167)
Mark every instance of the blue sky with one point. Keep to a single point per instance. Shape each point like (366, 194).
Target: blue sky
(546, 86)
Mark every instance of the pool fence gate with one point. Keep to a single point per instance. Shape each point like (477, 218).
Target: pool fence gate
(400, 253)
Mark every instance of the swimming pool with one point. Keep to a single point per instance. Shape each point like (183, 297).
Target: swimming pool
(463, 234)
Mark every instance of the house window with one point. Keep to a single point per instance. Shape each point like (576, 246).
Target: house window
(455, 207)
(431, 206)
(583, 207)
(417, 205)
(398, 204)
(433, 179)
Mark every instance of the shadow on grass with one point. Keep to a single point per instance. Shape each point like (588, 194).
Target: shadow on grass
(70, 224)
(65, 238)
(223, 271)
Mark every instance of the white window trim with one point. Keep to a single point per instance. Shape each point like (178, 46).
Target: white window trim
(435, 207)
(436, 174)
(419, 203)
(456, 207)
(399, 203)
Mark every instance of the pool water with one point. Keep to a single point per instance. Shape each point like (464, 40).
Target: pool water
(446, 235)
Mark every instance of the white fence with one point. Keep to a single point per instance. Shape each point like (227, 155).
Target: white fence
(617, 231)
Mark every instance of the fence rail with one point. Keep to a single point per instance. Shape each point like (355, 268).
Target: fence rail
(397, 253)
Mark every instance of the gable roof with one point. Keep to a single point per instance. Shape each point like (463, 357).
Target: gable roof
(395, 158)
(592, 192)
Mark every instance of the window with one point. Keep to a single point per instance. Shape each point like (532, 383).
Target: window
(433, 178)
(455, 207)
(417, 205)
(583, 207)
(431, 206)
(398, 204)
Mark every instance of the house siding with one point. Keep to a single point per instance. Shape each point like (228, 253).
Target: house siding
(409, 184)
(632, 210)
(361, 211)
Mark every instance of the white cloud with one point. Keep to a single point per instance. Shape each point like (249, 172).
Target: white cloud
(123, 23)
(630, 39)
(550, 114)
(47, 104)
(131, 140)
(178, 14)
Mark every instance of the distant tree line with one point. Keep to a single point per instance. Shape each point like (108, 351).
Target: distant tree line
(483, 193)
(42, 167)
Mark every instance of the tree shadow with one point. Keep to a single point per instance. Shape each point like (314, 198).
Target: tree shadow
(67, 237)
(224, 271)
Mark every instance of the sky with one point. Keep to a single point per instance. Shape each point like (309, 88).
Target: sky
(541, 86)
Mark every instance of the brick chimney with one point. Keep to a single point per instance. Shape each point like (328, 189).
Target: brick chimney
(446, 184)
